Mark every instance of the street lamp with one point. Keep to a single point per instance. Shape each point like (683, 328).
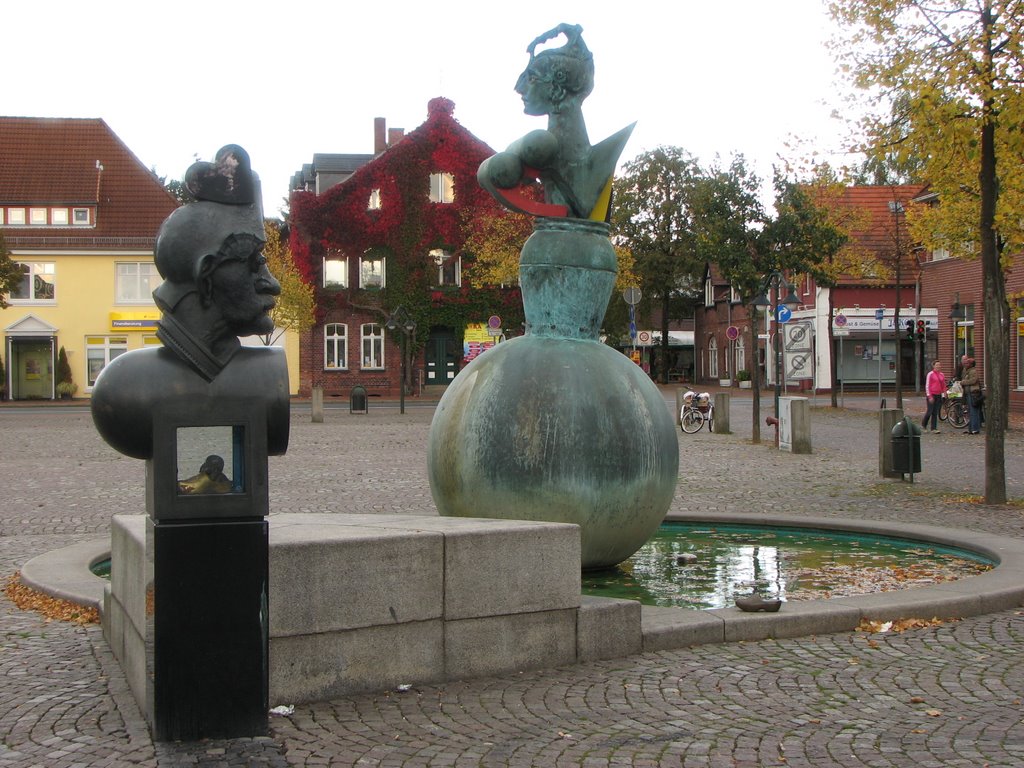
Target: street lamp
(776, 281)
(400, 320)
(958, 315)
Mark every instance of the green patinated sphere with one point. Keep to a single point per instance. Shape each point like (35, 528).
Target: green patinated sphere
(554, 425)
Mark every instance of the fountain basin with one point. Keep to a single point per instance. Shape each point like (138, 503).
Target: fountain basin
(602, 627)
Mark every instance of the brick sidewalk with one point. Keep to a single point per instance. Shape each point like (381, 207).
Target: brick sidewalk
(939, 697)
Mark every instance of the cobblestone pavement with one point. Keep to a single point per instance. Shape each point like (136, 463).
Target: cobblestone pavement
(945, 696)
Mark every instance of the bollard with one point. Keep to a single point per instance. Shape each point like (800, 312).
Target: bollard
(795, 424)
(887, 419)
(679, 404)
(721, 422)
(317, 405)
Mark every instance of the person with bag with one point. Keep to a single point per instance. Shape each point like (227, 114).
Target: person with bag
(934, 389)
(975, 397)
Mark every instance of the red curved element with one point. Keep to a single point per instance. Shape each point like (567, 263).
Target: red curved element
(771, 421)
(520, 202)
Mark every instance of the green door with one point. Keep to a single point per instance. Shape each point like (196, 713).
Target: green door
(442, 358)
(31, 368)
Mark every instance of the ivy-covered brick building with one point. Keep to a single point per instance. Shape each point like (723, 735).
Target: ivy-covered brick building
(392, 234)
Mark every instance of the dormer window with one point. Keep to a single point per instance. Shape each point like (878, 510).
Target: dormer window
(442, 188)
(709, 293)
(80, 217)
(373, 204)
(734, 295)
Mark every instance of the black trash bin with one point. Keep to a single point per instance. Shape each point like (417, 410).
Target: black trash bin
(357, 400)
(906, 447)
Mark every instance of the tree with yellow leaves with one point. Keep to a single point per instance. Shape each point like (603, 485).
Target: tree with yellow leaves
(944, 77)
(296, 306)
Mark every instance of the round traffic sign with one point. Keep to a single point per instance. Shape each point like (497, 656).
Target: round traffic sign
(783, 314)
(840, 320)
(494, 322)
(732, 333)
(645, 337)
(632, 295)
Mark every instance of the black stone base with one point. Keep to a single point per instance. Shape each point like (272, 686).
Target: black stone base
(210, 630)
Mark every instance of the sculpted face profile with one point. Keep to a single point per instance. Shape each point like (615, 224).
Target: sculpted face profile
(557, 80)
(216, 283)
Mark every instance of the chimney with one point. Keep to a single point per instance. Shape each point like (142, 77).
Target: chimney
(379, 133)
(395, 135)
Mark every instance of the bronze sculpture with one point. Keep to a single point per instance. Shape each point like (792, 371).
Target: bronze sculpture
(555, 425)
(576, 176)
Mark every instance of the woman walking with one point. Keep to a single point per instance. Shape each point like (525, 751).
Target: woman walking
(972, 391)
(934, 389)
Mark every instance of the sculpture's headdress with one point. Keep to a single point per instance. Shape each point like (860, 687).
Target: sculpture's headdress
(571, 67)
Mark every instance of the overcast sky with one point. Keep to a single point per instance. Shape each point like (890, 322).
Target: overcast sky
(286, 80)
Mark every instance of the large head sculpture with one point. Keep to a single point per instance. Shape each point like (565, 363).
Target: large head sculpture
(209, 253)
(557, 79)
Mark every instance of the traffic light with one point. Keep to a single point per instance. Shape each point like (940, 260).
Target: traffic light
(910, 330)
(921, 330)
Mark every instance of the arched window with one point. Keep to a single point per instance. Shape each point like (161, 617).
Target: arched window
(741, 355)
(713, 358)
(335, 346)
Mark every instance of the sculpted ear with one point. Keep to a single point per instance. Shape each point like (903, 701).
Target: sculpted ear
(204, 278)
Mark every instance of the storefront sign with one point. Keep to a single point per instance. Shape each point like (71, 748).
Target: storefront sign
(134, 321)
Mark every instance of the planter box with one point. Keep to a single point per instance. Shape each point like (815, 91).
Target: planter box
(746, 384)
(725, 382)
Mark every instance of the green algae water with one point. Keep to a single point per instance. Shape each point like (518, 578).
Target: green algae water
(696, 565)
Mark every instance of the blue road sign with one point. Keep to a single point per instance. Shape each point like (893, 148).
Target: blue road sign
(783, 314)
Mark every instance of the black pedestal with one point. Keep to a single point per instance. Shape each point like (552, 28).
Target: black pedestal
(210, 631)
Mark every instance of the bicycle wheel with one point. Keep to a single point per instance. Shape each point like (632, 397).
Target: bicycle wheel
(958, 414)
(710, 418)
(692, 421)
(944, 410)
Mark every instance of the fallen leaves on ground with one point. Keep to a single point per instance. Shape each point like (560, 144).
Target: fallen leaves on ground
(900, 625)
(28, 599)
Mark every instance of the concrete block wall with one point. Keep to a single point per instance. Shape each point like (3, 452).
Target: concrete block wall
(370, 602)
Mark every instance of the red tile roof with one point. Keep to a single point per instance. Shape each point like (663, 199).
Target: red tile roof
(876, 227)
(53, 161)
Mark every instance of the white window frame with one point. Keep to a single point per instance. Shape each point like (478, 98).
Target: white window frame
(142, 289)
(16, 217)
(342, 267)
(80, 220)
(740, 355)
(371, 346)
(110, 348)
(446, 260)
(713, 358)
(734, 295)
(59, 217)
(38, 217)
(48, 268)
(442, 188)
(336, 340)
(373, 204)
(709, 293)
(371, 281)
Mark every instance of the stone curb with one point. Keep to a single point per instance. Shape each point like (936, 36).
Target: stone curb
(65, 573)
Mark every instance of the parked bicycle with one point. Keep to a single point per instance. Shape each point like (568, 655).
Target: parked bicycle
(954, 408)
(696, 411)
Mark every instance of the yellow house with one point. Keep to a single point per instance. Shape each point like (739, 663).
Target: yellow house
(79, 214)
